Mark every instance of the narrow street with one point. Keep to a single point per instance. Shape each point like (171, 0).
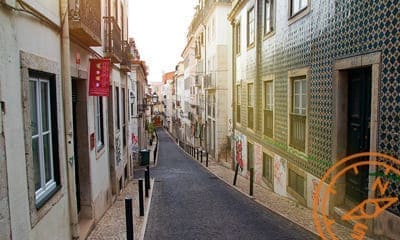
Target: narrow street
(190, 203)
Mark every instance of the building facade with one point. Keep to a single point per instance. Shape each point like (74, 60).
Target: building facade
(211, 84)
(34, 181)
(137, 91)
(177, 105)
(315, 82)
(64, 154)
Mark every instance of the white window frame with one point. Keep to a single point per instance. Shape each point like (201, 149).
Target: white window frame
(46, 187)
(268, 16)
(238, 38)
(300, 107)
(251, 27)
(99, 123)
(269, 95)
(297, 6)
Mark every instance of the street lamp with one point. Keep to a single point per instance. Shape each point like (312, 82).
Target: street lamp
(154, 98)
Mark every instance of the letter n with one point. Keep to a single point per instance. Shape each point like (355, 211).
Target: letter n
(378, 184)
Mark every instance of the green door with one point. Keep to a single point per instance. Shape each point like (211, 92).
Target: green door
(358, 130)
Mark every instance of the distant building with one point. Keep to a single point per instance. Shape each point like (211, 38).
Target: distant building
(137, 85)
(211, 83)
(167, 98)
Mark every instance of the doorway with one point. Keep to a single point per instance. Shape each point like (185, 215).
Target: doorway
(81, 149)
(358, 131)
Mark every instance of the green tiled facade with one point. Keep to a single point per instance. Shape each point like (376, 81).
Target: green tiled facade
(331, 30)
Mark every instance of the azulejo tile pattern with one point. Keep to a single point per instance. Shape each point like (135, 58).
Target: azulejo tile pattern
(334, 29)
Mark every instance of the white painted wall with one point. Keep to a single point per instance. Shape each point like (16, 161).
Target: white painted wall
(23, 32)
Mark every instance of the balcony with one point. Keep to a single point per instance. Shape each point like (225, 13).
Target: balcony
(298, 131)
(85, 21)
(112, 45)
(210, 80)
(126, 57)
(198, 79)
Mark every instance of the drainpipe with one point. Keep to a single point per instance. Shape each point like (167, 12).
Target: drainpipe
(205, 89)
(68, 123)
(234, 89)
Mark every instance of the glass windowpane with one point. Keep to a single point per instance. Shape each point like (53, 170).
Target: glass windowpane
(36, 162)
(33, 107)
(45, 105)
(47, 157)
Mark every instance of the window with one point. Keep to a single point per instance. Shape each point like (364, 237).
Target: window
(211, 105)
(250, 105)
(296, 182)
(99, 116)
(298, 113)
(267, 167)
(43, 116)
(238, 102)
(268, 16)
(237, 42)
(299, 96)
(250, 27)
(268, 109)
(117, 109)
(297, 5)
(123, 118)
(198, 49)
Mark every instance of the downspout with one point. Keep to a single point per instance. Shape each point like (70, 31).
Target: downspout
(205, 90)
(233, 89)
(257, 87)
(68, 123)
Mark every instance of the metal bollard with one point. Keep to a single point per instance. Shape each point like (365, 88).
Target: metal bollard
(251, 181)
(201, 156)
(197, 154)
(148, 170)
(206, 159)
(155, 153)
(146, 183)
(141, 203)
(236, 173)
(129, 218)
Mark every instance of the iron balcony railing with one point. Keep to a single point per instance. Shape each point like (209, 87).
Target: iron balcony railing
(126, 56)
(298, 131)
(112, 45)
(210, 80)
(85, 21)
(197, 80)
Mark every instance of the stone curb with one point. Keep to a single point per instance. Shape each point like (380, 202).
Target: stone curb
(147, 211)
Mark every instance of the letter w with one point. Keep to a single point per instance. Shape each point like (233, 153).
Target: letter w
(378, 184)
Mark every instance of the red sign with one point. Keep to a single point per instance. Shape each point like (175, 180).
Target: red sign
(99, 80)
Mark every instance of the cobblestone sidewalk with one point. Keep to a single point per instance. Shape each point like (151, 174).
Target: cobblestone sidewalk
(112, 226)
(281, 205)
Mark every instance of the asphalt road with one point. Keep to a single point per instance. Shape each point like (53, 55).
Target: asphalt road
(190, 203)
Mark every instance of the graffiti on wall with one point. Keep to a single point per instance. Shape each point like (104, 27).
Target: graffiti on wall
(240, 149)
(258, 164)
(134, 143)
(280, 175)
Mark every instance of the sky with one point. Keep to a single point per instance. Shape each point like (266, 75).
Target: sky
(159, 28)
